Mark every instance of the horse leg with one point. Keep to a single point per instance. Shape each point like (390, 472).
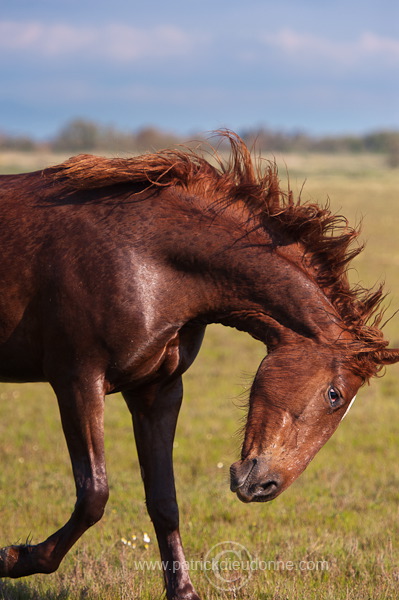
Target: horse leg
(81, 407)
(155, 415)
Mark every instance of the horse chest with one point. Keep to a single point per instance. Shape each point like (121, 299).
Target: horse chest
(157, 362)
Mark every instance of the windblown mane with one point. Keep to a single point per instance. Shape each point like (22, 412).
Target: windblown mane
(327, 238)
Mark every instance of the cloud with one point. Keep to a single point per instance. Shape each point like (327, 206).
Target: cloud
(116, 42)
(124, 43)
(298, 46)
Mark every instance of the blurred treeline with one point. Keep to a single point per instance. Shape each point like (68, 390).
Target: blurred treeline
(81, 135)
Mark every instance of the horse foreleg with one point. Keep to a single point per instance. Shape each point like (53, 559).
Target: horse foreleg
(82, 409)
(155, 414)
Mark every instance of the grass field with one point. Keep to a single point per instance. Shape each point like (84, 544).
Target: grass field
(334, 534)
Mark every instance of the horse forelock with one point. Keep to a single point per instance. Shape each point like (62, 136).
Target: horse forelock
(327, 239)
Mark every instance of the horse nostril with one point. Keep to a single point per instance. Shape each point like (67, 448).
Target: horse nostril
(269, 487)
(253, 481)
(263, 490)
(239, 472)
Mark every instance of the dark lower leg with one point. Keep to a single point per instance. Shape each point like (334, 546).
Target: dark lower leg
(154, 417)
(81, 414)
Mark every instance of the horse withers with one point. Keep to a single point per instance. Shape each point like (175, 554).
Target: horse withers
(110, 271)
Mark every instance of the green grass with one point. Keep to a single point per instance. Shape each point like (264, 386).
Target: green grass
(343, 510)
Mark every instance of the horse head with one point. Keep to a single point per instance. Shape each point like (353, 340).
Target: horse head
(299, 396)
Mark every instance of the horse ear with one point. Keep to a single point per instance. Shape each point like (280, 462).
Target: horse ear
(387, 356)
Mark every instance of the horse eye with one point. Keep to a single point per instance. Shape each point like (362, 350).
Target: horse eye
(334, 397)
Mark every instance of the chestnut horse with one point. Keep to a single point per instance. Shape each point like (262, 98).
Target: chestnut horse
(110, 271)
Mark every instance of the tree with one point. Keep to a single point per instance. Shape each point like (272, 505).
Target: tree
(78, 135)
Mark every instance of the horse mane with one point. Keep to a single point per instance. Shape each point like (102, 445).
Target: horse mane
(327, 238)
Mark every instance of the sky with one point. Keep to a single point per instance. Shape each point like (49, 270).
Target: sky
(190, 66)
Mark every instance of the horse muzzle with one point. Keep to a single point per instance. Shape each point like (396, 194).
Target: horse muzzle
(253, 482)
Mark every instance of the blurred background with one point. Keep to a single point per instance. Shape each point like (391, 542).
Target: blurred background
(96, 73)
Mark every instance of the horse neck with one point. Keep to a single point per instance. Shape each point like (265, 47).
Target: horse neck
(275, 299)
(249, 284)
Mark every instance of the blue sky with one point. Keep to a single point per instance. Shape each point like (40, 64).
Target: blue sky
(193, 66)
